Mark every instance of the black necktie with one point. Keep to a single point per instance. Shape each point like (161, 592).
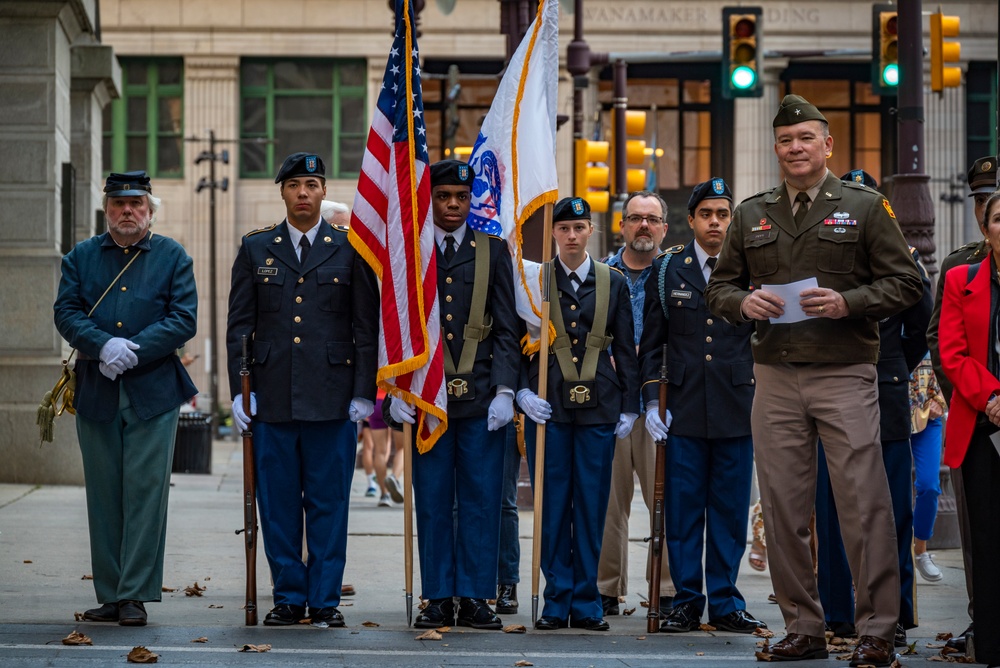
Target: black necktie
(304, 247)
(449, 247)
(710, 263)
(803, 200)
(575, 280)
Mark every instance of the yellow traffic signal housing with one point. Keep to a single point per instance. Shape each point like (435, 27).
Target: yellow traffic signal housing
(592, 180)
(885, 50)
(741, 61)
(635, 152)
(942, 52)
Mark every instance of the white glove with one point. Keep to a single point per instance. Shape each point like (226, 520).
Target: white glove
(360, 409)
(400, 411)
(656, 428)
(534, 406)
(110, 372)
(625, 422)
(241, 419)
(119, 351)
(501, 411)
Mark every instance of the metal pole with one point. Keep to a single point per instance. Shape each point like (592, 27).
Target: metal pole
(620, 103)
(213, 370)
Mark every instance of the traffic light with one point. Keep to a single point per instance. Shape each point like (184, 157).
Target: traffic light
(635, 153)
(885, 50)
(943, 52)
(742, 56)
(592, 180)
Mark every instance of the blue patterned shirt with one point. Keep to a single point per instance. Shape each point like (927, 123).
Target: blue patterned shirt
(636, 290)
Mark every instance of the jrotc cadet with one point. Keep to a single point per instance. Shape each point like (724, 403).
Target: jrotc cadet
(309, 306)
(816, 377)
(591, 401)
(464, 470)
(709, 460)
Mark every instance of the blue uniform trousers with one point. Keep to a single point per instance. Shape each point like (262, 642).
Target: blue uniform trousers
(456, 489)
(836, 590)
(508, 568)
(926, 447)
(305, 466)
(574, 505)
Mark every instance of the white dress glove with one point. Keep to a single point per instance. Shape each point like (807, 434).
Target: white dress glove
(656, 428)
(625, 422)
(360, 409)
(501, 411)
(241, 419)
(534, 406)
(110, 372)
(400, 411)
(117, 354)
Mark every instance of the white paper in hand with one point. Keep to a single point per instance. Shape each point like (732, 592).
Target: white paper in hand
(789, 293)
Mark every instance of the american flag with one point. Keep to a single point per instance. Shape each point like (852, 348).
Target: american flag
(392, 227)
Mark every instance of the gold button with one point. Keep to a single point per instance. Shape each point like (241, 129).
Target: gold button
(348, 362)
(336, 280)
(266, 280)
(118, 325)
(708, 322)
(895, 379)
(448, 298)
(708, 339)
(298, 300)
(124, 289)
(572, 307)
(576, 341)
(298, 318)
(126, 251)
(302, 279)
(678, 303)
(448, 317)
(297, 340)
(450, 336)
(572, 324)
(576, 359)
(448, 280)
(708, 358)
(752, 381)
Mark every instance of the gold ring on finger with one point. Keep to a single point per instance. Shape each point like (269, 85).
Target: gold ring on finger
(820, 309)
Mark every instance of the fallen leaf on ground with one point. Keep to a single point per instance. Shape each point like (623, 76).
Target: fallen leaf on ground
(77, 638)
(515, 628)
(142, 655)
(194, 590)
(371, 625)
(522, 662)
(933, 646)
(641, 638)
(763, 656)
(628, 611)
(429, 635)
(443, 629)
(201, 639)
(423, 604)
(708, 628)
(77, 616)
(944, 636)
(910, 649)
(895, 663)
(763, 633)
(347, 590)
(28, 561)
(168, 590)
(644, 604)
(87, 577)
(847, 657)
(255, 648)
(207, 579)
(214, 606)
(699, 654)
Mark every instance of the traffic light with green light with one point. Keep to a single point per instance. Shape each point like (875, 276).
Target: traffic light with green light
(885, 50)
(592, 180)
(742, 56)
(942, 52)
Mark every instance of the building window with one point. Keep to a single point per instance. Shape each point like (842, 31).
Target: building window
(144, 128)
(980, 109)
(315, 105)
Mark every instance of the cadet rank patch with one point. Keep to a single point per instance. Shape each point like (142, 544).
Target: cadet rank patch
(888, 208)
(840, 221)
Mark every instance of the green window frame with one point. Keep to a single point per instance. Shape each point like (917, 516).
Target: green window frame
(302, 104)
(144, 128)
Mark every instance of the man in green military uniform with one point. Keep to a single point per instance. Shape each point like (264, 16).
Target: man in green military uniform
(815, 372)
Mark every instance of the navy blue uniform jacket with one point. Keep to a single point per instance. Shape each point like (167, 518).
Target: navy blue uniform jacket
(709, 361)
(154, 304)
(313, 329)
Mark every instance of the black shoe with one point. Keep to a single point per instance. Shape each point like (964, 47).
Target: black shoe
(131, 613)
(957, 643)
(476, 613)
(439, 612)
(507, 599)
(682, 618)
(329, 616)
(610, 605)
(550, 623)
(590, 624)
(737, 621)
(106, 613)
(285, 614)
(666, 605)
(842, 629)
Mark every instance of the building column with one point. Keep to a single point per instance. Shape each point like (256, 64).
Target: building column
(756, 168)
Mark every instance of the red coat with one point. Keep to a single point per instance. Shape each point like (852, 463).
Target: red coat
(963, 343)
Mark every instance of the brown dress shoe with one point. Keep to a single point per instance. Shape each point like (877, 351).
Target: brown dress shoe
(872, 651)
(798, 647)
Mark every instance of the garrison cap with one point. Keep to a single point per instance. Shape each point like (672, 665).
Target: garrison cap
(301, 164)
(796, 109)
(714, 188)
(129, 184)
(571, 208)
(451, 173)
(862, 177)
(983, 175)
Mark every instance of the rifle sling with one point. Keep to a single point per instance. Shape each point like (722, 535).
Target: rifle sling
(476, 328)
(597, 338)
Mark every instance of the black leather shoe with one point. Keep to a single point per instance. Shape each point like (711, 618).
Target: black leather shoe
(737, 621)
(285, 614)
(329, 616)
(550, 623)
(131, 613)
(506, 599)
(957, 643)
(682, 618)
(476, 613)
(439, 612)
(590, 624)
(106, 613)
(899, 640)
(798, 647)
(610, 605)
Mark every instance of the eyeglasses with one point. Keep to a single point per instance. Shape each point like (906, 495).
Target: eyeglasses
(635, 219)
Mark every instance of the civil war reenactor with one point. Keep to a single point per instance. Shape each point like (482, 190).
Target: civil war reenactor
(457, 483)
(591, 401)
(709, 460)
(126, 303)
(308, 304)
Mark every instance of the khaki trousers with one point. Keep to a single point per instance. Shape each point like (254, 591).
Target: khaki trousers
(636, 452)
(794, 405)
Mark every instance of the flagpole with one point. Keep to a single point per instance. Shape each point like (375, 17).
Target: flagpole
(543, 383)
(408, 517)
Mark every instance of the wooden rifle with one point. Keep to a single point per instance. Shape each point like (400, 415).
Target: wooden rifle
(657, 518)
(249, 495)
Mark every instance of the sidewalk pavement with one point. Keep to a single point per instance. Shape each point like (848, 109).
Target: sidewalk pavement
(44, 560)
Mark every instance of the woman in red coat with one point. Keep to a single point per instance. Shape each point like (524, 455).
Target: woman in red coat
(970, 356)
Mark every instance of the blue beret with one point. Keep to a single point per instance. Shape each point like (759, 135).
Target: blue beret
(714, 188)
(571, 208)
(129, 184)
(862, 177)
(451, 173)
(301, 164)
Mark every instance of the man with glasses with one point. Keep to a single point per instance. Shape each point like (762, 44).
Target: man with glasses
(643, 226)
